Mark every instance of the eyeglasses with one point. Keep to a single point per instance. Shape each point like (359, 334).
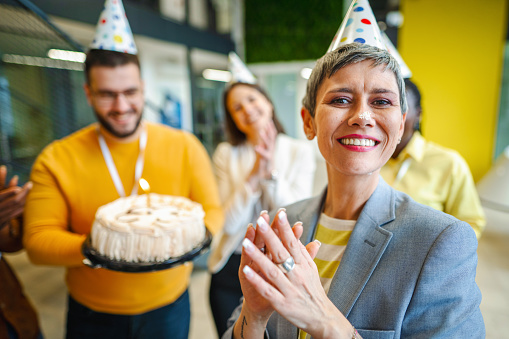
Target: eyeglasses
(107, 98)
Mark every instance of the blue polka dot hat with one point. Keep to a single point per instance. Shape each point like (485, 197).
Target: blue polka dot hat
(359, 25)
(113, 31)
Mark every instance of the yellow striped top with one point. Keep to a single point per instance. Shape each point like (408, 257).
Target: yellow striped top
(334, 235)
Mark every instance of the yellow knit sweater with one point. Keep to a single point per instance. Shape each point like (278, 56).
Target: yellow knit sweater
(71, 181)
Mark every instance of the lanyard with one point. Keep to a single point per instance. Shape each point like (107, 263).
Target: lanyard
(113, 169)
(402, 171)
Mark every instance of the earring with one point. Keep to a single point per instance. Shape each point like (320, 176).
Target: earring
(309, 136)
(399, 141)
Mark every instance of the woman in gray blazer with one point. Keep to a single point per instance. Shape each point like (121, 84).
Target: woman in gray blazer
(376, 264)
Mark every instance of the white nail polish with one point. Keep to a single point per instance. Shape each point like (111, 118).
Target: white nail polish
(262, 224)
(248, 245)
(247, 271)
(282, 214)
(318, 242)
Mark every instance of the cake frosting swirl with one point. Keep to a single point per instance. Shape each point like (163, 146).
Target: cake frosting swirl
(134, 229)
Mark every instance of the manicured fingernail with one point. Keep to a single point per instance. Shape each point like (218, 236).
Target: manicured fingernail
(298, 223)
(248, 271)
(262, 224)
(263, 212)
(282, 215)
(249, 225)
(248, 245)
(318, 242)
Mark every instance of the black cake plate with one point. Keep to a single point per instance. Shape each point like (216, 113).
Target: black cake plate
(95, 260)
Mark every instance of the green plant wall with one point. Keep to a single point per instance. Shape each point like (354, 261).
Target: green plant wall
(285, 30)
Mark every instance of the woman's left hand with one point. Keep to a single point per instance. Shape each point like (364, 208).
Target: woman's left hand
(266, 147)
(297, 294)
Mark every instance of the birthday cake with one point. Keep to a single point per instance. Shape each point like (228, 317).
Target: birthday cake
(147, 228)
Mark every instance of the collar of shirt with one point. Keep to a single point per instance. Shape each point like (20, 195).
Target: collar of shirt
(415, 149)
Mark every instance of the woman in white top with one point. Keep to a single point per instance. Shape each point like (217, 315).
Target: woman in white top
(258, 168)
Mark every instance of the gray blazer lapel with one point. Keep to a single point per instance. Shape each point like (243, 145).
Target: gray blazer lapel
(285, 329)
(365, 247)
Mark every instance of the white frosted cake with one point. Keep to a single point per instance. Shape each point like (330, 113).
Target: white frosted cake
(135, 230)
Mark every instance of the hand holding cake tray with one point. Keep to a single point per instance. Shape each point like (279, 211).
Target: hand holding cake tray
(143, 233)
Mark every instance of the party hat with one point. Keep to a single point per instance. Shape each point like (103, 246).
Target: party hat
(240, 72)
(113, 31)
(359, 25)
(405, 71)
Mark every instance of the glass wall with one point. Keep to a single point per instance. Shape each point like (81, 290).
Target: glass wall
(282, 89)
(502, 139)
(40, 98)
(208, 115)
(38, 105)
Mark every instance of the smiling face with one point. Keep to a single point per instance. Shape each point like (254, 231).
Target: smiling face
(357, 119)
(116, 96)
(249, 109)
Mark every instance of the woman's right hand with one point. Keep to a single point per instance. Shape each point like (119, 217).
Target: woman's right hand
(256, 309)
(295, 293)
(253, 301)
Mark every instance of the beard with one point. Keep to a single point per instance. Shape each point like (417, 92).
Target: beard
(109, 127)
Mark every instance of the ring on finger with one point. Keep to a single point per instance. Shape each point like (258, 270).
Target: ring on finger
(287, 266)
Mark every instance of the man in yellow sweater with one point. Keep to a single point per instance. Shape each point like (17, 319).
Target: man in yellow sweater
(72, 177)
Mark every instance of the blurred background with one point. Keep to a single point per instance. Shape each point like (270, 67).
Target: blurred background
(457, 51)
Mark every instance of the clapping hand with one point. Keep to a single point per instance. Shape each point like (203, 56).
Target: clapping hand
(284, 279)
(264, 149)
(12, 197)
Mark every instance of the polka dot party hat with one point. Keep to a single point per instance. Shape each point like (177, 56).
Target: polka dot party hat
(359, 25)
(113, 31)
(239, 71)
(405, 71)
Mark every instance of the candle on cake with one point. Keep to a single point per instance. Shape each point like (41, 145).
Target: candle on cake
(146, 189)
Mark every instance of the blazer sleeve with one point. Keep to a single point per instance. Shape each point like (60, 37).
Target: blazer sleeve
(233, 319)
(445, 303)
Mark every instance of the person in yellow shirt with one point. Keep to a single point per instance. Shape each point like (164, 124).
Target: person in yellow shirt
(432, 174)
(72, 177)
